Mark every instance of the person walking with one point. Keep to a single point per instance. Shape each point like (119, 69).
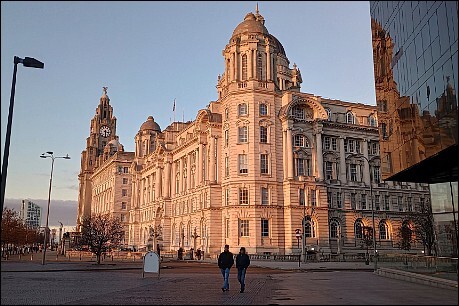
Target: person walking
(242, 263)
(225, 262)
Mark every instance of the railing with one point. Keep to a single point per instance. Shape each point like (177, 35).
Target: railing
(274, 257)
(242, 85)
(263, 84)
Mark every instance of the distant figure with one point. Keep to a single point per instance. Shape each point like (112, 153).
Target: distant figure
(158, 250)
(198, 254)
(191, 253)
(225, 262)
(180, 254)
(242, 263)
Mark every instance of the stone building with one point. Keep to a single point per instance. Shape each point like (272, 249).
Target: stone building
(261, 161)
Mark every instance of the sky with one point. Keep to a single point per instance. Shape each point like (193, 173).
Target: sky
(148, 54)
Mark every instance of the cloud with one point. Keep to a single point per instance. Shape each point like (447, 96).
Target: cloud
(60, 210)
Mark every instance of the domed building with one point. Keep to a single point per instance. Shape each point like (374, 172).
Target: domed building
(263, 162)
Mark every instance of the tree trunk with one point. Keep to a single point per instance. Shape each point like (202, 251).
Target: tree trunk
(98, 258)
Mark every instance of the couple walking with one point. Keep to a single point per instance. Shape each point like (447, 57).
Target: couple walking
(226, 261)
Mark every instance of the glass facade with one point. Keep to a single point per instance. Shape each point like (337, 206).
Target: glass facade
(415, 54)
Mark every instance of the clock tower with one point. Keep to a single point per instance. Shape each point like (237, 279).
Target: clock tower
(102, 131)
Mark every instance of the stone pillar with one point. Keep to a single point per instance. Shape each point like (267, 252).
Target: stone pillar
(199, 164)
(157, 184)
(366, 169)
(268, 65)
(319, 156)
(254, 62)
(284, 152)
(342, 161)
(181, 176)
(167, 180)
(233, 68)
(188, 172)
(211, 165)
(250, 64)
(217, 159)
(289, 154)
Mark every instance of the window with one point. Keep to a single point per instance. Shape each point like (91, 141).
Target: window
(333, 229)
(377, 202)
(410, 203)
(264, 228)
(124, 192)
(339, 199)
(422, 203)
(328, 170)
(264, 163)
(400, 203)
(329, 114)
(299, 141)
(358, 226)
(242, 134)
(226, 113)
(350, 118)
(357, 146)
(227, 227)
(125, 180)
(372, 121)
(326, 143)
(351, 145)
(376, 175)
(309, 228)
(301, 196)
(303, 167)
(353, 172)
(123, 218)
(123, 205)
(227, 196)
(259, 67)
(264, 196)
(386, 202)
(353, 201)
(244, 67)
(384, 130)
(373, 148)
(226, 166)
(363, 201)
(243, 164)
(126, 170)
(243, 196)
(226, 138)
(242, 109)
(244, 227)
(330, 199)
(263, 109)
(298, 112)
(334, 146)
(313, 197)
(383, 234)
(263, 134)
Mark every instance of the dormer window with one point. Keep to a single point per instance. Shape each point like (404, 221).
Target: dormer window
(350, 118)
(329, 114)
(242, 109)
(372, 121)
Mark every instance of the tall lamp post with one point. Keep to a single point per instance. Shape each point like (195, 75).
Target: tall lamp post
(50, 155)
(372, 209)
(298, 237)
(26, 62)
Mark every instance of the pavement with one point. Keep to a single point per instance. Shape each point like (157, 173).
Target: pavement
(198, 283)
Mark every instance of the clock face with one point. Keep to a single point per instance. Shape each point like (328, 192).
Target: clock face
(105, 131)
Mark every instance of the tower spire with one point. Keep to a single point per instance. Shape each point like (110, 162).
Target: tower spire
(256, 9)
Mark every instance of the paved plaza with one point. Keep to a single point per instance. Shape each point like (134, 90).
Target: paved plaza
(117, 283)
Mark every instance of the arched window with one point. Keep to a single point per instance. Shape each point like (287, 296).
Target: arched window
(226, 113)
(383, 230)
(298, 112)
(263, 109)
(372, 121)
(260, 67)
(329, 114)
(244, 67)
(350, 118)
(242, 109)
(358, 229)
(309, 228)
(334, 229)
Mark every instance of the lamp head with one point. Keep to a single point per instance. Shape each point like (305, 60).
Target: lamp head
(31, 62)
(50, 153)
(67, 156)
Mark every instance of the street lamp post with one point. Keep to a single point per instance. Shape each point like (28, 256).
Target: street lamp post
(372, 209)
(50, 155)
(26, 62)
(298, 237)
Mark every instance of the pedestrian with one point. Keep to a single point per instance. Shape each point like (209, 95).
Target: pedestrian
(198, 254)
(225, 262)
(242, 263)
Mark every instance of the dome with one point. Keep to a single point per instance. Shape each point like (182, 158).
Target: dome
(251, 25)
(150, 124)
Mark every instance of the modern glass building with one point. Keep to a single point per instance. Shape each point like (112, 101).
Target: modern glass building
(415, 53)
(31, 214)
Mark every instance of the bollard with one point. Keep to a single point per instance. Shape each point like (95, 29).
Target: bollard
(80, 255)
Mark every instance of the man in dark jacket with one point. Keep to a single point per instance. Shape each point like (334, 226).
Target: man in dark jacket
(225, 262)
(242, 263)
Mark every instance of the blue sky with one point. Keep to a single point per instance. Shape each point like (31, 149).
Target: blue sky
(149, 53)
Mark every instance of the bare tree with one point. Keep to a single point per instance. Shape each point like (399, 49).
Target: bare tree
(155, 233)
(101, 231)
(367, 241)
(424, 228)
(404, 236)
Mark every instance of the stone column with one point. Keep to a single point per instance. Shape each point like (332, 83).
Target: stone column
(319, 156)
(366, 169)
(342, 161)
(289, 154)
(268, 65)
(188, 172)
(181, 176)
(211, 165)
(284, 152)
(250, 64)
(167, 180)
(254, 62)
(233, 70)
(199, 164)
(217, 159)
(157, 184)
